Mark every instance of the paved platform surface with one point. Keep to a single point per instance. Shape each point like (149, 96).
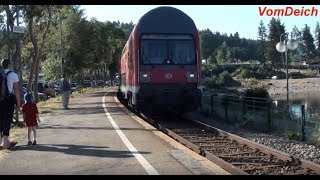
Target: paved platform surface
(98, 137)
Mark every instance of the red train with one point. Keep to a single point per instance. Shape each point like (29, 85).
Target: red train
(160, 64)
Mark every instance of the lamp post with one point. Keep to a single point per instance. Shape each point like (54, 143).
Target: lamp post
(283, 46)
(61, 46)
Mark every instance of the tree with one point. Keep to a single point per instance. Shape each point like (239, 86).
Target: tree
(307, 41)
(317, 35)
(207, 43)
(275, 30)
(236, 39)
(262, 36)
(222, 52)
(295, 55)
(220, 56)
(41, 16)
(89, 46)
(229, 54)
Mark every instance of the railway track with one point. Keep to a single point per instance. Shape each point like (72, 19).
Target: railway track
(237, 155)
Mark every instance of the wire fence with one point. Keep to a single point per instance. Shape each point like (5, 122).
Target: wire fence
(263, 114)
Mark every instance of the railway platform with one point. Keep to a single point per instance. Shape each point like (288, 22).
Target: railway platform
(98, 136)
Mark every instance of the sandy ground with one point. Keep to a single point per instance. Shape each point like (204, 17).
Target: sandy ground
(278, 87)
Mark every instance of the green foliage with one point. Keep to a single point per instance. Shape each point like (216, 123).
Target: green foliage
(243, 120)
(255, 71)
(213, 83)
(307, 41)
(224, 79)
(317, 35)
(89, 47)
(219, 48)
(245, 73)
(52, 69)
(276, 28)
(316, 138)
(291, 135)
(254, 88)
(262, 36)
(211, 69)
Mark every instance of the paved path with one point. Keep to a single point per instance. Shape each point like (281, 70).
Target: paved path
(96, 136)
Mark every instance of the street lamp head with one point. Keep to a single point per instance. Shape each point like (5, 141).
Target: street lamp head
(281, 47)
(292, 44)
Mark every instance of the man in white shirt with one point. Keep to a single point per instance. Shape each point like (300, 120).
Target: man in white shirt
(7, 106)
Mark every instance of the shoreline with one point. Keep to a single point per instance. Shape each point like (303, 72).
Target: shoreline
(294, 95)
(303, 87)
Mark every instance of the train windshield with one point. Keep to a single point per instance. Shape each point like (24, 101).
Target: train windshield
(178, 50)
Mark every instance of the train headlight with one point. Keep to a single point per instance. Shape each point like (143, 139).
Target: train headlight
(191, 77)
(145, 76)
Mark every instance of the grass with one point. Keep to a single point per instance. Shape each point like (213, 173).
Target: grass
(316, 138)
(56, 103)
(83, 91)
(43, 108)
(15, 134)
(49, 105)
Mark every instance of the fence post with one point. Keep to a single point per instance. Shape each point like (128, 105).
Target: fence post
(303, 122)
(211, 103)
(269, 114)
(202, 104)
(244, 108)
(226, 108)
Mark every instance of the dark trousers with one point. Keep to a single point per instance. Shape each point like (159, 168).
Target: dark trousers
(6, 116)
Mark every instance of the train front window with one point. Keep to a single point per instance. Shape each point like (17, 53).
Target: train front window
(167, 51)
(182, 52)
(153, 51)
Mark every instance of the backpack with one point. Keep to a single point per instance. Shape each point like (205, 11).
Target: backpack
(4, 91)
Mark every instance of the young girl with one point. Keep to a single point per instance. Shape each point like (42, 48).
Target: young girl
(30, 117)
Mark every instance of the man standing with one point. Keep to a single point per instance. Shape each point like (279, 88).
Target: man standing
(65, 89)
(7, 105)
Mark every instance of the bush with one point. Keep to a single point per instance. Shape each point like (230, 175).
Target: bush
(253, 91)
(237, 72)
(296, 75)
(244, 74)
(255, 71)
(279, 74)
(224, 79)
(291, 135)
(253, 88)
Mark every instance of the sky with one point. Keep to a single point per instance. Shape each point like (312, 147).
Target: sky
(243, 19)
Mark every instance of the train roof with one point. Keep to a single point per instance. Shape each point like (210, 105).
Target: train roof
(166, 20)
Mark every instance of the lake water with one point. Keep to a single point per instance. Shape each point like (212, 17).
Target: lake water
(311, 101)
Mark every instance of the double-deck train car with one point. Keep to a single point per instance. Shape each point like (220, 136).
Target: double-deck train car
(160, 64)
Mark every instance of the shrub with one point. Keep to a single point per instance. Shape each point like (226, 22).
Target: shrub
(224, 79)
(253, 88)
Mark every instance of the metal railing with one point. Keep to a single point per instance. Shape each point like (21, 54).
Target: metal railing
(262, 114)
